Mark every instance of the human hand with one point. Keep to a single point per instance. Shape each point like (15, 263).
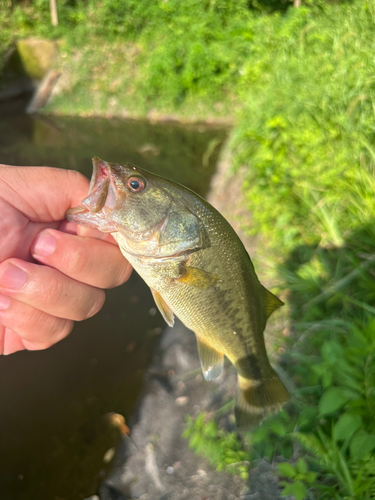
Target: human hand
(38, 303)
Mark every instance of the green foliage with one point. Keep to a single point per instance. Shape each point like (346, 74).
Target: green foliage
(185, 54)
(5, 36)
(221, 447)
(333, 293)
(328, 428)
(306, 126)
(301, 478)
(300, 81)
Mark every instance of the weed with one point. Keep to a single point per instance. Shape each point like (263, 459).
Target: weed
(221, 447)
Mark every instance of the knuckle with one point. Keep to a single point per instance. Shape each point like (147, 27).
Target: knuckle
(94, 307)
(46, 344)
(121, 274)
(59, 329)
(55, 288)
(77, 179)
(64, 328)
(76, 263)
(36, 321)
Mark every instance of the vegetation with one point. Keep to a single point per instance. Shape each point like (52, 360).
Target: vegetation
(328, 429)
(299, 85)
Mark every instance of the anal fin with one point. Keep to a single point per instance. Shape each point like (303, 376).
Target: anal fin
(212, 361)
(163, 307)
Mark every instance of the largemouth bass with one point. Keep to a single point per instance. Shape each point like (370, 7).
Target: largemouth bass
(197, 269)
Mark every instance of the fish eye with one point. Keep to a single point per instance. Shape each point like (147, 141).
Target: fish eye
(136, 184)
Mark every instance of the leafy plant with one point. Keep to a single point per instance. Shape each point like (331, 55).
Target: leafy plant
(301, 478)
(221, 447)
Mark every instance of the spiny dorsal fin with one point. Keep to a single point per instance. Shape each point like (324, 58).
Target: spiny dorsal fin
(212, 361)
(272, 302)
(163, 307)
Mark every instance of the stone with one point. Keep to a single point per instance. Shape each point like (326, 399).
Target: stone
(37, 56)
(182, 401)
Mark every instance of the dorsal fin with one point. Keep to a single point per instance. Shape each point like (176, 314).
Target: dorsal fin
(272, 302)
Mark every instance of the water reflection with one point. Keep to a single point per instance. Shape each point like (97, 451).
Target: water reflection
(53, 429)
(185, 153)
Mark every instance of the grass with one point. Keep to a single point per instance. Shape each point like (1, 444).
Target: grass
(307, 127)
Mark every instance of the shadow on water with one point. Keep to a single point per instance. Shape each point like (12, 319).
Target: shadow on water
(53, 427)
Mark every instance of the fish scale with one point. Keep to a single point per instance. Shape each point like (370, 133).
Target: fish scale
(197, 269)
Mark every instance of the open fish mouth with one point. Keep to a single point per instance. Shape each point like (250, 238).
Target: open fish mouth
(102, 198)
(102, 190)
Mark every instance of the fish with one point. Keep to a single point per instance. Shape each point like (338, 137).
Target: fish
(197, 269)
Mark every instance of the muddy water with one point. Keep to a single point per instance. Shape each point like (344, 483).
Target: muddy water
(54, 429)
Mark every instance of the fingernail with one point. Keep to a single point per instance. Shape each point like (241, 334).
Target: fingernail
(4, 302)
(44, 245)
(12, 277)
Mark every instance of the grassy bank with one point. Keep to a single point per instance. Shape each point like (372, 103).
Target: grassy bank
(299, 85)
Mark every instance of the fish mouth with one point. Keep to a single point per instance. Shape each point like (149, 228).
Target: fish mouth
(102, 198)
(105, 196)
(102, 189)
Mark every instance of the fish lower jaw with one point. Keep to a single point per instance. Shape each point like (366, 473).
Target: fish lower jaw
(126, 251)
(81, 215)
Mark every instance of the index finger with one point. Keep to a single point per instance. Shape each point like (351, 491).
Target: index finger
(91, 261)
(43, 194)
(89, 232)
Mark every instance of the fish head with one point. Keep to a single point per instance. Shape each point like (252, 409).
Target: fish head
(142, 207)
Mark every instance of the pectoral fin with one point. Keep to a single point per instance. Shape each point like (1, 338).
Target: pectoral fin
(163, 307)
(212, 361)
(193, 276)
(272, 302)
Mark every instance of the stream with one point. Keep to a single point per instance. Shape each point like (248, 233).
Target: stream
(54, 424)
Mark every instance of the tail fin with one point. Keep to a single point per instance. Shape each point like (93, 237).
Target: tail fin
(258, 399)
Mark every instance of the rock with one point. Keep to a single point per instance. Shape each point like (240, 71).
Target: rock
(151, 466)
(182, 401)
(264, 482)
(37, 56)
